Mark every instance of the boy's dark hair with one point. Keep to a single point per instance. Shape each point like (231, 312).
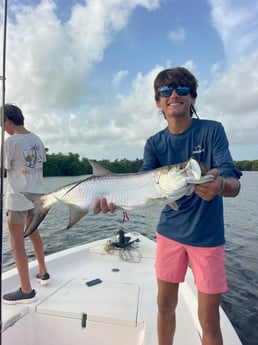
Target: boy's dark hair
(14, 114)
(178, 76)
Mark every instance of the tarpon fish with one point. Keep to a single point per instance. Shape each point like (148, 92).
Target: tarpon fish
(126, 191)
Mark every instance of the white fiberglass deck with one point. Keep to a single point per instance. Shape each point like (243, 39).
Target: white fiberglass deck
(120, 310)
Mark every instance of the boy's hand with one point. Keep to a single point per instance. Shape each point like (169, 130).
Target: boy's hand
(101, 205)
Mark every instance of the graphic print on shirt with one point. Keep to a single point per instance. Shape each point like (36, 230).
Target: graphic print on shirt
(198, 149)
(32, 156)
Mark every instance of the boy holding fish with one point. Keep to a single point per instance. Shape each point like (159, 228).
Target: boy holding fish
(193, 234)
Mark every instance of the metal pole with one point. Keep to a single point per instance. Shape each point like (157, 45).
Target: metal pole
(2, 154)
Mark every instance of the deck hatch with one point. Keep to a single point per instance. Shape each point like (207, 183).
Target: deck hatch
(108, 302)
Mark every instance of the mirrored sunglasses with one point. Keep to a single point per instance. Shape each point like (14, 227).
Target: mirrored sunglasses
(166, 91)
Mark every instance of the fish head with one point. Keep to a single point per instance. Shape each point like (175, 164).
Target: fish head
(175, 178)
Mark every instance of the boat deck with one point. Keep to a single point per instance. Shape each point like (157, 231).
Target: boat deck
(121, 308)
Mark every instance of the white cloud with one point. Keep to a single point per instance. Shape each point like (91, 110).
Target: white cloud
(236, 22)
(119, 76)
(52, 59)
(236, 90)
(232, 99)
(51, 83)
(177, 35)
(49, 75)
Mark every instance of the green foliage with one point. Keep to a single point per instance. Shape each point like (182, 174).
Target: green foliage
(71, 165)
(247, 165)
(122, 166)
(63, 165)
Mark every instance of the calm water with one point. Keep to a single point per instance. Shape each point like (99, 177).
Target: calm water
(241, 221)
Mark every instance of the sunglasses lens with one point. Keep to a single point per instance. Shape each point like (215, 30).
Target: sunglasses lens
(166, 91)
(183, 90)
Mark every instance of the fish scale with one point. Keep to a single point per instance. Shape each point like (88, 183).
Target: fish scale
(125, 192)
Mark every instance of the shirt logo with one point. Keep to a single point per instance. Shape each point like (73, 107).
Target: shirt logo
(198, 149)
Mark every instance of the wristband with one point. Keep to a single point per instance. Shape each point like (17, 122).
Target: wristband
(222, 186)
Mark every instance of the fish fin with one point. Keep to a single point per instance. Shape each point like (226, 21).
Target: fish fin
(190, 190)
(76, 213)
(98, 170)
(174, 205)
(40, 211)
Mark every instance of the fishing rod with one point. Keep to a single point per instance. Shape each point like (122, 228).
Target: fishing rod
(3, 78)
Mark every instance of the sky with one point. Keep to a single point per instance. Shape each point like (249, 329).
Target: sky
(83, 71)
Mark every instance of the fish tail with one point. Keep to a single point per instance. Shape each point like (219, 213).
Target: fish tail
(42, 204)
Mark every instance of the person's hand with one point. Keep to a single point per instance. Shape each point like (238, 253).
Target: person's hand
(101, 205)
(207, 191)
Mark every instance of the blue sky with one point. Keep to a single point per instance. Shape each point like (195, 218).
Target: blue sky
(83, 71)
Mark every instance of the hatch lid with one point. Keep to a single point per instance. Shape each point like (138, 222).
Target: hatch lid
(107, 302)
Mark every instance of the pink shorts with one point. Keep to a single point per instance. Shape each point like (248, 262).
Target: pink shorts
(208, 264)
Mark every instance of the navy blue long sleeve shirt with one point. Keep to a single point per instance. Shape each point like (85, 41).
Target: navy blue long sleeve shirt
(197, 222)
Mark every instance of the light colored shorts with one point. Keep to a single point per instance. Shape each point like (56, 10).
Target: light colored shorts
(208, 264)
(19, 217)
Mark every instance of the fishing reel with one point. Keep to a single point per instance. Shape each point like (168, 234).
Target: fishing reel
(125, 246)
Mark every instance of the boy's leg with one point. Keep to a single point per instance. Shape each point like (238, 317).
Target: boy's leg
(167, 302)
(208, 312)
